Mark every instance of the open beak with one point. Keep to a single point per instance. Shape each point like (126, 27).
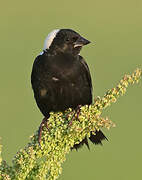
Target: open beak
(81, 42)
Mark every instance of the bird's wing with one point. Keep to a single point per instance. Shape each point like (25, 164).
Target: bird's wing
(35, 79)
(88, 75)
(39, 86)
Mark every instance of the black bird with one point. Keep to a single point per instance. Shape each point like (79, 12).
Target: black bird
(61, 78)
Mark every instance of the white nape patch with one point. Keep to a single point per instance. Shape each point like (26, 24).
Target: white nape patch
(41, 53)
(49, 39)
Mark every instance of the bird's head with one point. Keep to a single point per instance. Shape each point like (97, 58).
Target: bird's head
(65, 41)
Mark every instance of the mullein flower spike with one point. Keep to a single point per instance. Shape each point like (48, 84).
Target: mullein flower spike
(44, 162)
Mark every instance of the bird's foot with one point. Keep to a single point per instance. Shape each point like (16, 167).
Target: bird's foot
(44, 123)
(78, 111)
(76, 114)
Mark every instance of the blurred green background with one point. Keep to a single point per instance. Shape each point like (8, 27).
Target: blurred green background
(116, 26)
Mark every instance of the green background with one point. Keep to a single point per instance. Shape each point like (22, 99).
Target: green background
(116, 27)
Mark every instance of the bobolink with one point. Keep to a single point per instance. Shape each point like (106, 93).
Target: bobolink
(61, 78)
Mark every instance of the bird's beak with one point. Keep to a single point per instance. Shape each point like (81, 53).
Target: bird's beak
(81, 42)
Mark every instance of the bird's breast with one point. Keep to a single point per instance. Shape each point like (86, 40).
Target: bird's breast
(62, 83)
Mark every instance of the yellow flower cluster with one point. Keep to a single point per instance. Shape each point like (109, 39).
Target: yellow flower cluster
(44, 162)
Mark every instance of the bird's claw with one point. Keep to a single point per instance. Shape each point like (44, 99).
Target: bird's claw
(44, 123)
(75, 115)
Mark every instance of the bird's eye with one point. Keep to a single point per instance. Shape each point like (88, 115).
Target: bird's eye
(74, 38)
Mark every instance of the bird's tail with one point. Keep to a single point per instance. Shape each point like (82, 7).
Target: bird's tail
(95, 139)
(84, 141)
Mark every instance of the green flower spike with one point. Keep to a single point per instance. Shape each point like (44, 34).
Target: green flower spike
(40, 163)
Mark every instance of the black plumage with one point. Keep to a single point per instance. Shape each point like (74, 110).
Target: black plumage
(61, 78)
